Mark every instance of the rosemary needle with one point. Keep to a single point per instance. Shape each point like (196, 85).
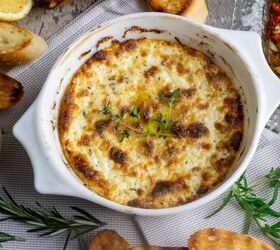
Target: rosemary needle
(5, 237)
(48, 222)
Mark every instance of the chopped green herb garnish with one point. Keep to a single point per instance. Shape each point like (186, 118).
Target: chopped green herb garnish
(256, 208)
(161, 119)
(47, 222)
(106, 110)
(172, 97)
(125, 134)
(135, 112)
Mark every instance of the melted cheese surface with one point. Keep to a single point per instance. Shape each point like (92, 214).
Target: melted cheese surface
(151, 123)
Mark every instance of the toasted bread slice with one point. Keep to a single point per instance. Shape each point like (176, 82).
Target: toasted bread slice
(50, 4)
(108, 239)
(11, 91)
(213, 239)
(157, 248)
(194, 9)
(197, 10)
(169, 6)
(18, 45)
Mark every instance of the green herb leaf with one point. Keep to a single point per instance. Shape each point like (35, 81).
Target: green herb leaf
(135, 112)
(172, 97)
(50, 222)
(225, 202)
(175, 93)
(106, 110)
(161, 118)
(125, 134)
(85, 114)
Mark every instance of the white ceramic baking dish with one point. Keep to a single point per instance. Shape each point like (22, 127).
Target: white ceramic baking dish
(238, 53)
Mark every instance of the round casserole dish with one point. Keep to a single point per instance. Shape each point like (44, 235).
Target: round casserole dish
(238, 53)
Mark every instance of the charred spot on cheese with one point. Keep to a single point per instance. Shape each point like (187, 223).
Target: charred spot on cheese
(66, 111)
(100, 55)
(118, 156)
(222, 128)
(215, 78)
(202, 190)
(224, 163)
(234, 141)
(85, 140)
(151, 123)
(126, 46)
(206, 146)
(236, 107)
(194, 130)
(146, 112)
(136, 203)
(83, 166)
(161, 188)
(149, 148)
(171, 149)
(101, 125)
(188, 92)
(151, 72)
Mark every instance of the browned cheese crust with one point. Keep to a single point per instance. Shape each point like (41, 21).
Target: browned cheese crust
(151, 123)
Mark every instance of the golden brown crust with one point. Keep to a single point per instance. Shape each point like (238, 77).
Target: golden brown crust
(197, 10)
(172, 7)
(194, 9)
(108, 239)
(157, 248)
(67, 111)
(212, 239)
(30, 49)
(11, 91)
(50, 4)
(110, 115)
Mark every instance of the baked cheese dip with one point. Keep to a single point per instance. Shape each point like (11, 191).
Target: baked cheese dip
(151, 123)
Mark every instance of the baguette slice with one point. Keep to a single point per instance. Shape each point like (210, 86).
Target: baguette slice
(50, 4)
(11, 91)
(18, 45)
(197, 10)
(108, 240)
(214, 239)
(158, 248)
(194, 9)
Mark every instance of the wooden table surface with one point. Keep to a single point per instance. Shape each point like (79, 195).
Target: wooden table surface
(47, 22)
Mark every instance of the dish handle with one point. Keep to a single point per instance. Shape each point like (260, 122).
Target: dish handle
(46, 180)
(249, 44)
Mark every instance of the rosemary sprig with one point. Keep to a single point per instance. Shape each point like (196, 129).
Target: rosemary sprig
(49, 222)
(125, 134)
(5, 237)
(257, 209)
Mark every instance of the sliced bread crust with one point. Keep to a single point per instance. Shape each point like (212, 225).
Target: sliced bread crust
(11, 91)
(195, 9)
(17, 52)
(213, 238)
